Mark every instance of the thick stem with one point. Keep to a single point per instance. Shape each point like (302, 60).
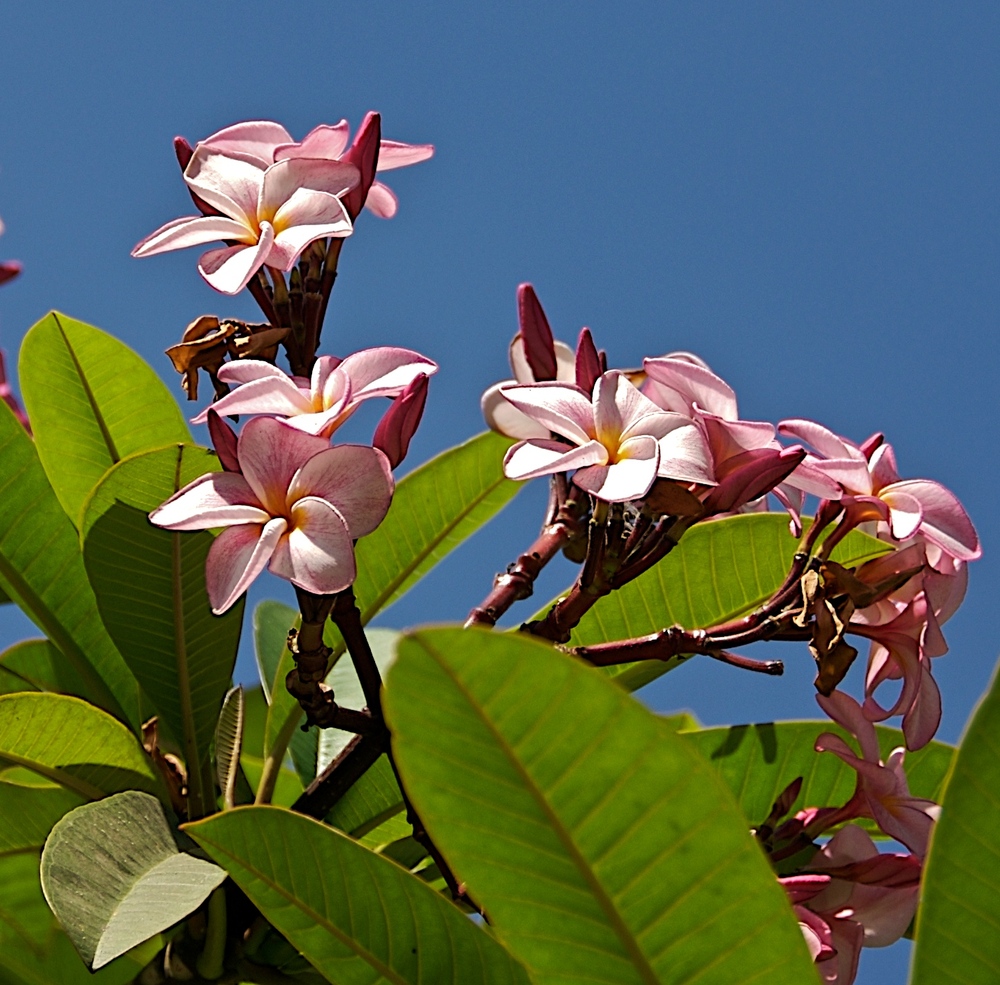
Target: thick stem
(210, 962)
(327, 281)
(346, 616)
(257, 287)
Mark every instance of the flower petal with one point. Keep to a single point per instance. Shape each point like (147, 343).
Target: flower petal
(318, 553)
(284, 179)
(235, 559)
(270, 454)
(219, 499)
(696, 385)
(905, 513)
(325, 142)
(945, 521)
(503, 417)
(307, 216)
(192, 231)
(393, 154)
(684, 456)
(620, 410)
(828, 444)
(530, 459)
(255, 139)
(628, 478)
(847, 713)
(560, 407)
(356, 479)
(229, 270)
(384, 371)
(226, 183)
(268, 395)
(382, 200)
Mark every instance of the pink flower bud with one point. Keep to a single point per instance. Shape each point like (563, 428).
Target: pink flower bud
(224, 439)
(539, 346)
(363, 154)
(751, 475)
(588, 361)
(9, 269)
(183, 150)
(400, 422)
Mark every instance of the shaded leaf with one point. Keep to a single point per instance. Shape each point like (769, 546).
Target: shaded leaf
(73, 744)
(721, 570)
(37, 665)
(603, 847)
(229, 744)
(92, 402)
(372, 801)
(150, 587)
(41, 568)
(28, 811)
(957, 939)
(113, 876)
(288, 787)
(298, 872)
(757, 762)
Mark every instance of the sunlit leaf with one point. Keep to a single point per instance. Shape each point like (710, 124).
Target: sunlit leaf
(92, 402)
(41, 568)
(37, 665)
(957, 936)
(372, 801)
(113, 876)
(603, 846)
(150, 587)
(302, 876)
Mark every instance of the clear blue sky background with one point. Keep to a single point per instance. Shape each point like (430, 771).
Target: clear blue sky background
(804, 194)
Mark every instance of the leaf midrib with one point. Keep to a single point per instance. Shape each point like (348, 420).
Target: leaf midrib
(619, 926)
(54, 773)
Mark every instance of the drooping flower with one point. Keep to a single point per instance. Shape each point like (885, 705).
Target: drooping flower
(266, 216)
(881, 792)
(322, 403)
(618, 440)
(296, 507)
(265, 143)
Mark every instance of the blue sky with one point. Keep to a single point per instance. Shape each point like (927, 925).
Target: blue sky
(804, 194)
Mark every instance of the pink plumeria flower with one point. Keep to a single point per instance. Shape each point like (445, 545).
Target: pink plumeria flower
(296, 507)
(871, 486)
(618, 440)
(264, 143)
(881, 792)
(267, 216)
(535, 357)
(322, 403)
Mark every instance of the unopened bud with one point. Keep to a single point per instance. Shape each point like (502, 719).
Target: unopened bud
(399, 424)
(869, 446)
(9, 269)
(539, 346)
(224, 440)
(363, 154)
(183, 150)
(588, 361)
(753, 474)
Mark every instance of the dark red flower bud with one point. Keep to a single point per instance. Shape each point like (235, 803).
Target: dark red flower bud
(224, 439)
(751, 475)
(183, 150)
(400, 421)
(539, 347)
(588, 361)
(363, 154)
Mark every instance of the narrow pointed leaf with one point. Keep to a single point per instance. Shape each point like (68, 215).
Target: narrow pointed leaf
(957, 939)
(113, 876)
(603, 847)
(41, 568)
(757, 762)
(36, 665)
(229, 744)
(306, 878)
(92, 402)
(150, 587)
(72, 743)
(720, 570)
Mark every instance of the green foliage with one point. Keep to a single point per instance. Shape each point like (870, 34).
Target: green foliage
(372, 801)
(759, 761)
(112, 874)
(73, 744)
(28, 809)
(302, 875)
(957, 939)
(92, 402)
(150, 587)
(603, 846)
(229, 744)
(721, 570)
(41, 568)
(36, 665)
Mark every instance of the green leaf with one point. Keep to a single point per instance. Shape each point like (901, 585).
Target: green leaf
(229, 744)
(720, 570)
(372, 801)
(758, 762)
(92, 402)
(305, 878)
(73, 744)
(343, 678)
(41, 568)
(271, 622)
(150, 587)
(603, 847)
(27, 813)
(288, 787)
(36, 665)
(957, 939)
(113, 876)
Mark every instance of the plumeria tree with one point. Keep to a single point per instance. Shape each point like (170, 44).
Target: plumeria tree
(459, 803)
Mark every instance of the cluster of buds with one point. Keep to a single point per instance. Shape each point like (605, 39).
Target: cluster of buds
(636, 458)
(282, 208)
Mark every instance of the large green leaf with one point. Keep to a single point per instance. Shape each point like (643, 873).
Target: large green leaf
(73, 744)
(759, 761)
(372, 801)
(41, 568)
(113, 876)
(150, 587)
(719, 571)
(957, 925)
(92, 402)
(28, 810)
(36, 665)
(359, 919)
(603, 846)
